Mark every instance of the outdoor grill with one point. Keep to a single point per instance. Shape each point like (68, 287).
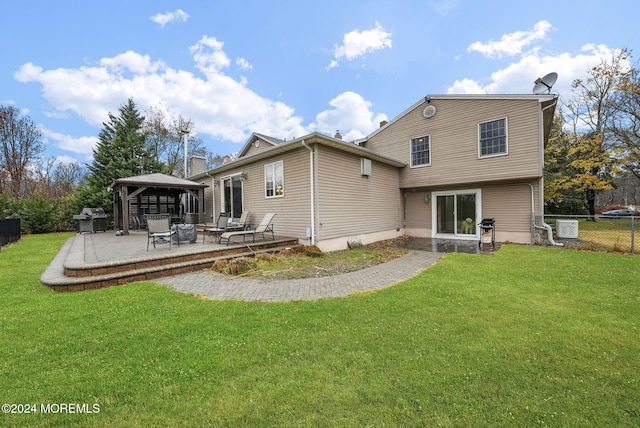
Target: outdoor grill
(488, 231)
(92, 220)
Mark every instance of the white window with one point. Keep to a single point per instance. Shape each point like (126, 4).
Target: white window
(274, 180)
(492, 138)
(421, 151)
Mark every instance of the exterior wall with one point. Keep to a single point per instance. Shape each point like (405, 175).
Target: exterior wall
(366, 238)
(208, 213)
(252, 149)
(453, 134)
(509, 204)
(417, 221)
(351, 206)
(293, 209)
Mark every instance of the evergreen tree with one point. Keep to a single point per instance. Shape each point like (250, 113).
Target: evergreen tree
(121, 152)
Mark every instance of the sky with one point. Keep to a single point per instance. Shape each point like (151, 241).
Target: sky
(286, 68)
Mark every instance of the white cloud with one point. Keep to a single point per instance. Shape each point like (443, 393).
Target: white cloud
(209, 56)
(81, 145)
(220, 106)
(351, 115)
(518, 77)
(358, 43)
(165, 18)
(65, 160)
(513, 43)
(466, 86)
(133, 62)
(243, 64)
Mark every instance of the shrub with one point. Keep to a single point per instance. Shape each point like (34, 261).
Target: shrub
(39, 214)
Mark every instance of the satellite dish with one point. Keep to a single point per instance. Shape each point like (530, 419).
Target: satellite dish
(429, 111)
(545, 83)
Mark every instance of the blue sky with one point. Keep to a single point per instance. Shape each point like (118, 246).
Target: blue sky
(286, 68)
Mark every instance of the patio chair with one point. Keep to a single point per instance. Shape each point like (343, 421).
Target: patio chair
(243, 223)
(265, 226)
(218, 229)
(159, 230)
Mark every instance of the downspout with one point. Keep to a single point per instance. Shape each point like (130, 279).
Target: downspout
(544, 226)
(551, 105)
(213, 196)
(404, 208)
(312, 193)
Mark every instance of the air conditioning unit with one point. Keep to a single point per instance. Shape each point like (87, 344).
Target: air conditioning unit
(567, 229)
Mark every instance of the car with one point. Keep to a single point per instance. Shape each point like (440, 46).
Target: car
(619, 213)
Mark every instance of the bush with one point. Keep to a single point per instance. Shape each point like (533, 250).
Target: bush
(565, 206)
(39, 214)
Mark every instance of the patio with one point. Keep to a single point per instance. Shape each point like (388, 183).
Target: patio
(97, 260)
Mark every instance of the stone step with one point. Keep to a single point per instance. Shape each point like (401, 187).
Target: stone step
(64, 276)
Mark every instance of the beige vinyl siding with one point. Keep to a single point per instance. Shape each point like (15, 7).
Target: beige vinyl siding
(208, 215)
(454, 142)
(350, 204)
(510, 206)
(293, 209)
(252, 149)
(418, 211)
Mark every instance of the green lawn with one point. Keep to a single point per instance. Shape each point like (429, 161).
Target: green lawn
(611, 234)
(607, 234)
(525, 337)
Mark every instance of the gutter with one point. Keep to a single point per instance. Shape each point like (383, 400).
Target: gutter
(213, 196)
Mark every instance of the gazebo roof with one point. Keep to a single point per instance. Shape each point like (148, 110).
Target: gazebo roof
(157, 180)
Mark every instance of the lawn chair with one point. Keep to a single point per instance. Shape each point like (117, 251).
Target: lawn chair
(218, 229)
(243, 223)
(265, 226)
(159, 230)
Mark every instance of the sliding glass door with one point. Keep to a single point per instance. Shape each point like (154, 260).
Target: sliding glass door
(456, 213)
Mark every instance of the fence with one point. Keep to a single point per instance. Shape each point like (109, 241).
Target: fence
(9, 231)
(602, 234)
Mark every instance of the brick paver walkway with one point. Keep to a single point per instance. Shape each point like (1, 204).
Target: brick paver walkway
(222, 287)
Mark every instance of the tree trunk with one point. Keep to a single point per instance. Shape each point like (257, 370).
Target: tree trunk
(590, 203)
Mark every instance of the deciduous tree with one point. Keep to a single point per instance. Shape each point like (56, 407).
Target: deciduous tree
(20, 146)
(624, 125)
(588, 113)
(165, 140)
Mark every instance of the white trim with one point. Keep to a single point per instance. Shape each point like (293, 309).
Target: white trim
(434, 213)
(273, 164)
(506, 138)
(411, 165)
(539, 97)
(222, 201)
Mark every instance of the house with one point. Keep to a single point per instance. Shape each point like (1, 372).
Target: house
(436, 170)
